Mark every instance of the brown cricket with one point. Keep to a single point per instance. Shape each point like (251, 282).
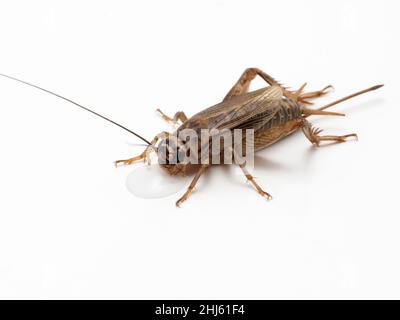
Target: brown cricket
(274, 112)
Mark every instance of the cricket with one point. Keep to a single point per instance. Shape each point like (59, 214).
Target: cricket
(272, 113)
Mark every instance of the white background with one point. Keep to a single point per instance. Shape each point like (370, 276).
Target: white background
(69, 228)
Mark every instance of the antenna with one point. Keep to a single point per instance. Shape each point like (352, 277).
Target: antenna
(77, 104)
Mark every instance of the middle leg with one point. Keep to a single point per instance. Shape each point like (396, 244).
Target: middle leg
(192, 184)
(242, 164)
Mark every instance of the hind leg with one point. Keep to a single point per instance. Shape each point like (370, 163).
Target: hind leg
(312, 134)
(243, 84)
(303, 97)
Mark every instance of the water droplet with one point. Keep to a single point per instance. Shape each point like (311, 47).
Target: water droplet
(152, 182)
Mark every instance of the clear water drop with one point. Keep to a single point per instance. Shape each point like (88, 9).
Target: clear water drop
(151, 181)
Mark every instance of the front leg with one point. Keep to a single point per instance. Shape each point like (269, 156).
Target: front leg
(179, 116)
(145, 155)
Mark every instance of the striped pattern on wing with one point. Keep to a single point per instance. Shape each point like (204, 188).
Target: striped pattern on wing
(244, 111)
(254, 113)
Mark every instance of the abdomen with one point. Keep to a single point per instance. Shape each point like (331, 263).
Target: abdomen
(287, 120)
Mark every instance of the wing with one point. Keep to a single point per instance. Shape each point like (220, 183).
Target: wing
(250, 110)
(255, 112)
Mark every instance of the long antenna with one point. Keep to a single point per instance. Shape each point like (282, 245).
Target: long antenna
(77, 104)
